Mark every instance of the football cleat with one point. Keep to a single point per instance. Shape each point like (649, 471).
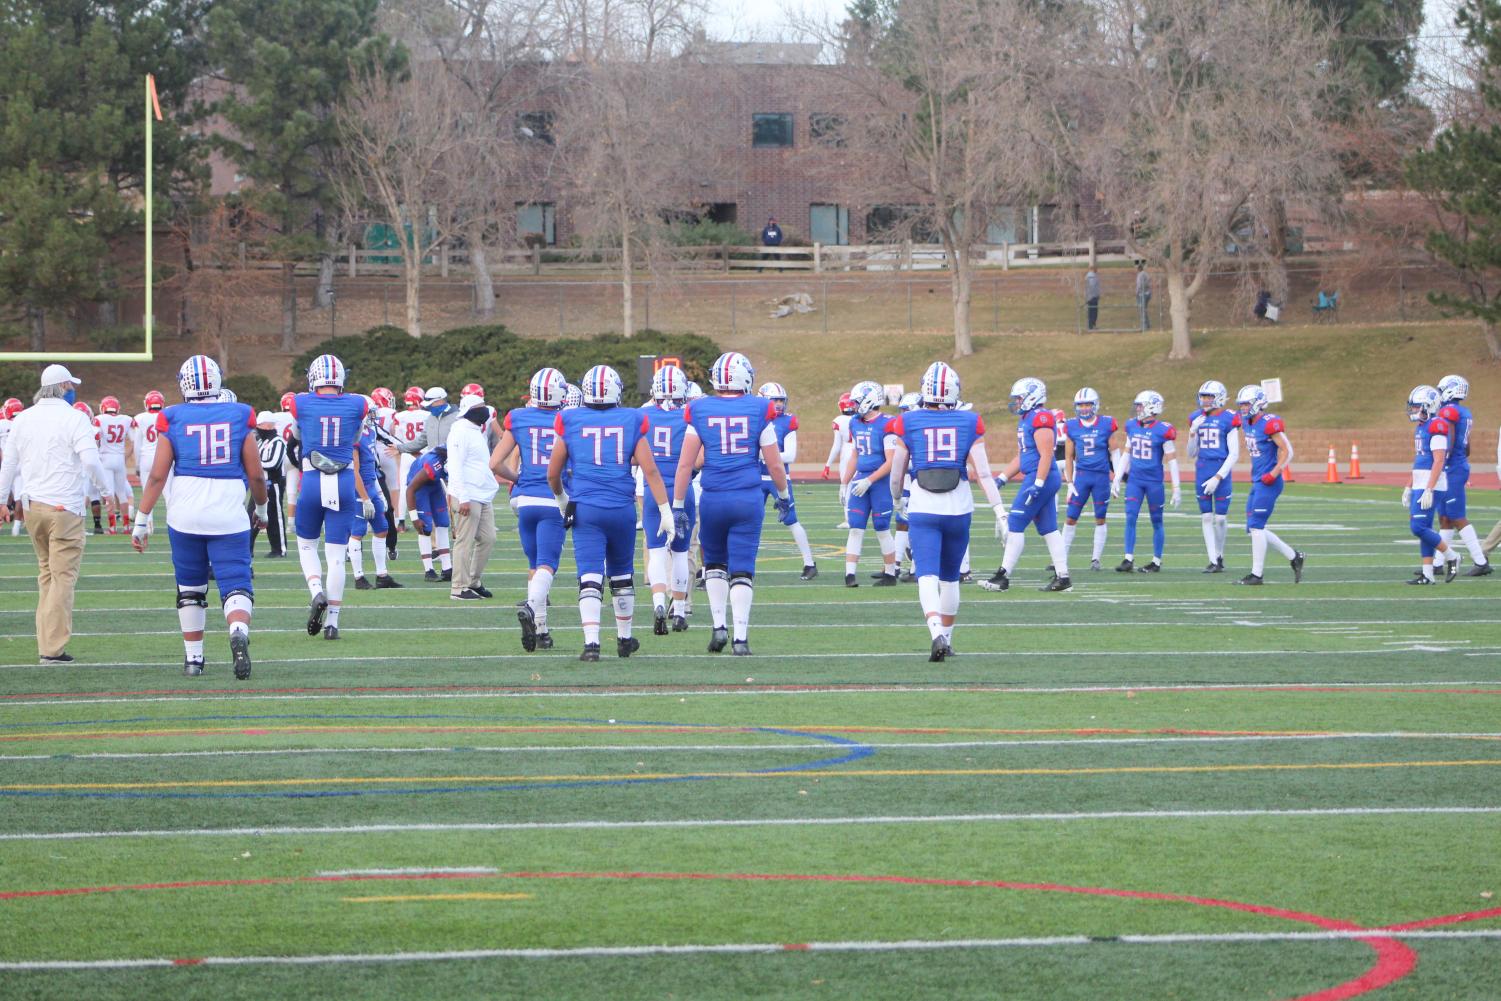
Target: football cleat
(1095, 566)
(361, 584)
(1152, 567)
(1214, 568)
(1250, 579)
(999, 581)
(659, 622)
(626, 645)
(809, 572)
(431, 575)
(1297, 564)
(446, 575)
(330, 632)
(385, 580)
(1451, 569)
(740, 648)
(528, 627)
(590, 654)
(886, 580)
(192, 668)
(544, 641)
(316, 610)
(1126, 567)
(239, 649)
(679, 624)
(1220, 562)
(907, 577)
(1420, 579)
(1058, 584)
(850, 581)
(938, 651)
(718, 639)
(966, 578)
(1480, 570)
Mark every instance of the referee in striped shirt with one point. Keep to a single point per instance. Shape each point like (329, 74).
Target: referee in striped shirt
(273, 460)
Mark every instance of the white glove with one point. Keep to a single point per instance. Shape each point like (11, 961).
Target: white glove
(1176, 500)
(562, 504)
(260, 514)
(1115, 489)
(668, 522)
(860, 487)
(367, 509)
(1407, 497)
(515, 502)
(1212, 484)
(1426, 501)
(1194, 425)
(141, 527)
(1073, 491)
(1000, 521)
(901, 508)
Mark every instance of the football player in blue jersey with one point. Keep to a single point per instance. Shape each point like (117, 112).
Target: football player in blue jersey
(667, 566)
(869, 480)
(939, 443)
(370, 472)
(1215, 448)
(1424, 497)
(427, 499)
(1454, 518)
(733, 432)
(327, 422)
(209, 450)
(1088, 459)
(1271, 453)
(1149, 445)
(601, 439)
(530, 432)
(1036, 435)
(786, 427)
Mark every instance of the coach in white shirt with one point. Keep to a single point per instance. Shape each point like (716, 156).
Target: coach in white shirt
(52, 447)
(471, 489)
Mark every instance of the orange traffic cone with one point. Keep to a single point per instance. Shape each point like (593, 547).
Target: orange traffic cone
(1331, 473)
(1355, 461)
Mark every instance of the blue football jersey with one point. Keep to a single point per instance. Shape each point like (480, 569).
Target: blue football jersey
(369, 465)
(535, 435)
(1261, 443)
(207, 438)
(665, 430)
(938, 439)
(1461, 422)
(1146, 444)
(329, 424)
(600, 445)
(784, 425)
(436, 468)
(1091, 442)
(1027, 426)
(869, 438)
(1213, 434)
(1422, 441)
(730, 430)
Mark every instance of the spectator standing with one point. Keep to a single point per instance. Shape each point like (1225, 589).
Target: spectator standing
(472, 487)
(1143, 294)
(1092, 295)
(53, 447)
(273, 452)
(771, 236)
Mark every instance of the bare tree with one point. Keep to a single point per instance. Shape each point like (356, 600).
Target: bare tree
(232, 271)
(950, 108)
(1193, 115)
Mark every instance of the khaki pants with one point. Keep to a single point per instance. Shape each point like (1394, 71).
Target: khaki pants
(473, 539)
(57, 536)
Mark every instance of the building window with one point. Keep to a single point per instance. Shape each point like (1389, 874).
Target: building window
(534, 126)
(770, 130)
(826, 128)
(535, 220)
(722, 212)
(899, 222)
(829, 225)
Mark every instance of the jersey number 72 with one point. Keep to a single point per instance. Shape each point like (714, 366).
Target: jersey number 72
(734, 434)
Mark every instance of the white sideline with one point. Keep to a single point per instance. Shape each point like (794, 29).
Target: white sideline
(749, 948)
(616, 825)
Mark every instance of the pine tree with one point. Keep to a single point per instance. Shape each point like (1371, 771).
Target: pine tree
(1461, 173)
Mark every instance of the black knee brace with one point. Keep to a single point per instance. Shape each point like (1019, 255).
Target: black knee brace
(589, 588)
(623, 585)
(718, 571)
(239, 590)
(186, 599)
(742, 578)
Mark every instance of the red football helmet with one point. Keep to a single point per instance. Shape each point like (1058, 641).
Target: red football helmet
(472, 389)
(109, 405)
(11, 407)
(155, 401)
(846, 406)
(286, 400)
(383, 397)
(413, 397)
(84, 409)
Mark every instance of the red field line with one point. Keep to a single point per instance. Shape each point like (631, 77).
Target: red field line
(1446, 919)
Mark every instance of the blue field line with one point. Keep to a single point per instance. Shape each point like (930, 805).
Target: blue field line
(856, 751)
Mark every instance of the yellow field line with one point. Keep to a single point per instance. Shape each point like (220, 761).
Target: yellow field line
(436, 896)
(820, 774)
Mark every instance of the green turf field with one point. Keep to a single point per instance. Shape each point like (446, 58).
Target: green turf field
(1153, 787)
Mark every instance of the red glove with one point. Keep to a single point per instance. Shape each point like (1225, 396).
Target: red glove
(1268, 478)
(825, 473)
